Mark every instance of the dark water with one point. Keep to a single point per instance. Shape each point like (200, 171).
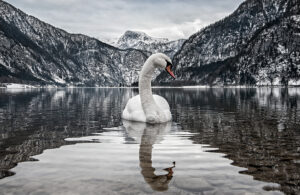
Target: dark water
(221, 141)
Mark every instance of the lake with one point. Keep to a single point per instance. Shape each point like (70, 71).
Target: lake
(220, 141)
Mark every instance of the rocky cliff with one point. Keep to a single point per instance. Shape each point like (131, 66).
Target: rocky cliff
(35, 52)
(258, 44)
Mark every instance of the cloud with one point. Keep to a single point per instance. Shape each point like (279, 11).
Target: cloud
(110, 19)
(176, 31)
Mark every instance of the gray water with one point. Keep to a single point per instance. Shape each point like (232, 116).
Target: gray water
(221, 141)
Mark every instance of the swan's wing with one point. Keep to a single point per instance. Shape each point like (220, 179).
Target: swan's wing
(161, 102)
(133, 110)
(134, 104)
(163, 105)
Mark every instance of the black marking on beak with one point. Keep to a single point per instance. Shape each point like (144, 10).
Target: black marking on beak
(168, 69)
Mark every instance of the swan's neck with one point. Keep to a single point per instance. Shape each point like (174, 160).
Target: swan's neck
(145, 90)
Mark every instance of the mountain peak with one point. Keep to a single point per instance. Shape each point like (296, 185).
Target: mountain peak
(142, 41)
(130, 39)
(134, 34)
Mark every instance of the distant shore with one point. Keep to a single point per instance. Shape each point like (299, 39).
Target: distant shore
(26, 86)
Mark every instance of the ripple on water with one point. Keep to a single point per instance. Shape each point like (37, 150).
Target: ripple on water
(234, 141)
(110, 165)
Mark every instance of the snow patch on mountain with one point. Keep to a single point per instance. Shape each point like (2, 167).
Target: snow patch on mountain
(132, 39)
(142, 41)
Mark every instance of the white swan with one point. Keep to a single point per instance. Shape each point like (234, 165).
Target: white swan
(147, 107)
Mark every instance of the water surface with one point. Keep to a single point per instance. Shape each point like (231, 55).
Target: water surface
(221, 141)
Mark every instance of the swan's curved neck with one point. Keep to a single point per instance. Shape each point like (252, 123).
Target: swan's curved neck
(145, 90)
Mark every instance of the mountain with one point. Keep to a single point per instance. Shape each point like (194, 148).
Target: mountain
(144, 42)
(258, 44)
(34, 52)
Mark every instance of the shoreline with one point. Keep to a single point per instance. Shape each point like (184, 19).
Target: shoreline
(26, 86)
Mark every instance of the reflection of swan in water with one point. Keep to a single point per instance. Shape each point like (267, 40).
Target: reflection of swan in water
(148, 135)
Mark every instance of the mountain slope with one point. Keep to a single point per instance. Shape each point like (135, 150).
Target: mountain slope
(257, 44)
(34, 52)
(142, 41)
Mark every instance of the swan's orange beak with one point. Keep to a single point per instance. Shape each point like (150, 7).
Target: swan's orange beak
(168, 69)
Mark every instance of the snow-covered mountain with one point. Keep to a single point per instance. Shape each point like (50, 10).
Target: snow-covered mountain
(257, 44)
(34, 52)
(144, 42)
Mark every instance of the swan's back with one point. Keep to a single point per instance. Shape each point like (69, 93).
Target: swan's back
(134, 110)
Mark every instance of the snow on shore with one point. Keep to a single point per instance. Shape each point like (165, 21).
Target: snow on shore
(18, 86)
(12, 86)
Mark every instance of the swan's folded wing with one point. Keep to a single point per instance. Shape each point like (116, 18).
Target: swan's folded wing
(133, 110)
(161, 102)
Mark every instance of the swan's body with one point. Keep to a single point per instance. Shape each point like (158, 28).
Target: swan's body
(147, 107)
(134, 110)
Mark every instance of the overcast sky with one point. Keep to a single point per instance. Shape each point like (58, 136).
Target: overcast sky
(109, 19)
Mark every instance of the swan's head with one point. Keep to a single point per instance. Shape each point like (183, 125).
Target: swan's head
(162, 61)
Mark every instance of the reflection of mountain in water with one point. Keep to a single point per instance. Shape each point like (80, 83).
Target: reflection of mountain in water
(256, 128)
(33, 121)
